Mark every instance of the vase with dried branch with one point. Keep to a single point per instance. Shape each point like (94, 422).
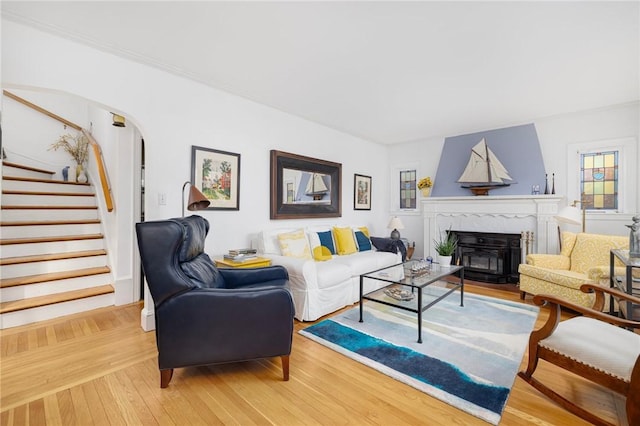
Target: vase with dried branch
(77, 146)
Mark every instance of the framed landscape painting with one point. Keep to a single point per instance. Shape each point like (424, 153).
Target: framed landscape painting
(361, 192)
(217, 175)
(304, 187)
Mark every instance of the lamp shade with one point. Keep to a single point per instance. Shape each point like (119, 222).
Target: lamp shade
(197, 200)
(395, 223)
(570, 214)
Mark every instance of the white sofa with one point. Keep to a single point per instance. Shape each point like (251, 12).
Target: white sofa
(321, 287)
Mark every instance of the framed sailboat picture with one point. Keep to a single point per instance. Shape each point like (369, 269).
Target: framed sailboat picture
(217, 175)
(304, 187)
(361, 192)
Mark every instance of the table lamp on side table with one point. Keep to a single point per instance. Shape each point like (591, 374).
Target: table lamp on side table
(395, 223)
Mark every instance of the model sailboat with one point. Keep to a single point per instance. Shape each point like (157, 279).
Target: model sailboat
(484, 171)
(316, 187)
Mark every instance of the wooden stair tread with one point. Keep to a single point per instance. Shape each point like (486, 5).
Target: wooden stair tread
(51, 222)
(34, 302)
(29, 168)
(10, 241)
(62, 194)
(14, 207)
(27, 179)
(54, 256)
(53, 276)
(55, 281)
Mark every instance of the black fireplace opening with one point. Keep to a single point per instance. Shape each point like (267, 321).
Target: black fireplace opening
(488, 257)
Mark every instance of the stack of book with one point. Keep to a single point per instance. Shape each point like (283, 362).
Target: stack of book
(241, 255)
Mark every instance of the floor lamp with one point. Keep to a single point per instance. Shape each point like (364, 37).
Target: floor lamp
(197, 200)
(573, 215)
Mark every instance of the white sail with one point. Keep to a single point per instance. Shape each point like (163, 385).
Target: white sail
(316, 185)
(484, 166)
(498, 172)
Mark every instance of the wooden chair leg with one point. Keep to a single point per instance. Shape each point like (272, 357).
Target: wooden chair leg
(633, 409)
(633, 397)
(285, 367)
(165, 377)
(563, 402)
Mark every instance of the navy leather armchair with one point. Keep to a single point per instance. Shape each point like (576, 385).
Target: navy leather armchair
(206, 315)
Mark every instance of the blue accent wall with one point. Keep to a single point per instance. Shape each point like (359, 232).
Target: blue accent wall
(517, 148)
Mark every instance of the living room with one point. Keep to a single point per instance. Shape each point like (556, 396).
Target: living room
(171, 112)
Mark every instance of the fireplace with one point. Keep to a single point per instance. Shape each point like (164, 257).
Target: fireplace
(489, 257)
(516, 215)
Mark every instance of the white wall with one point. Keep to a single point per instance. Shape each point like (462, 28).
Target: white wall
(31, 133)
(172, 114)
(555, 134)
(118, 146)
(605, 124)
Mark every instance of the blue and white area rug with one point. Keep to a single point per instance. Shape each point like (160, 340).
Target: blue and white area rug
(469, 356)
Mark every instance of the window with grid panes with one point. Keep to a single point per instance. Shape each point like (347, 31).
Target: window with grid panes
(599, 180)
(407, 189)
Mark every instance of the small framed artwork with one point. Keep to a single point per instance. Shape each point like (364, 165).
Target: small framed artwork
(304, 187)
(217, 175)
(361, 192)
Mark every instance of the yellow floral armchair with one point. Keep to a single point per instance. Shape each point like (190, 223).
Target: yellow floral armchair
(584, 259)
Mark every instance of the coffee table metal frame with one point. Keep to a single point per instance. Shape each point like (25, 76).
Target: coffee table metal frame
(417, 283)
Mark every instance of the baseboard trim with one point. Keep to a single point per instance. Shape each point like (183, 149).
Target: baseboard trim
(147, 320)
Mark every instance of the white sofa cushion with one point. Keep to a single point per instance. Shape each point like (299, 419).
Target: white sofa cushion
(366, 261)
(268, 241)
(330, 273)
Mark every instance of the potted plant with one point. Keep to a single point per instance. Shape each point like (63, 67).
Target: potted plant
(78, 147)
(425, 185)
(446, 247)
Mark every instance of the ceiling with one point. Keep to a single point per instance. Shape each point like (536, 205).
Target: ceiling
(389, 72)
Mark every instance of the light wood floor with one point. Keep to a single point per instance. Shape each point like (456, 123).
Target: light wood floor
(101, 368)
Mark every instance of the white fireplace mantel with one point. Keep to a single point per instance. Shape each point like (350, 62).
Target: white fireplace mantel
(511, 214)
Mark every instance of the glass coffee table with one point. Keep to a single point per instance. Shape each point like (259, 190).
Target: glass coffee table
(413, 286)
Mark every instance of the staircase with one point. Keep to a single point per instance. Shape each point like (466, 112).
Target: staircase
(53, 260)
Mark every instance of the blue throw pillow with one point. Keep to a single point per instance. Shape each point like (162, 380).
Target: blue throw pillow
(326, 239)
(363, 242)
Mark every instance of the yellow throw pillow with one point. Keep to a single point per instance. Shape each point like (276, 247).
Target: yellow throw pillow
(321, 253)
(365, 231)
(344, 241)
(294, 244)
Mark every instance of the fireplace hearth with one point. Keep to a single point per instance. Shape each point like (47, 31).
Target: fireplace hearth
(489, 257)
